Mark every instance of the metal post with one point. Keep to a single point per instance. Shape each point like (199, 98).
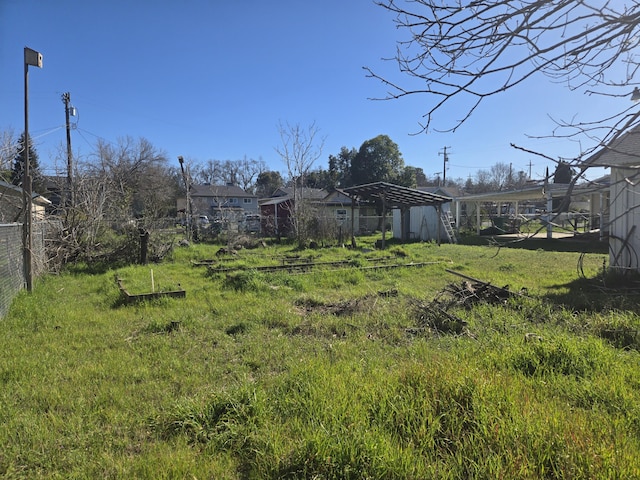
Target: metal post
(549, 215)
(26, 185)
(31, 57)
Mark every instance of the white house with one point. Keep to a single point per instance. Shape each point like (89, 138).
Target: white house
(215, 200)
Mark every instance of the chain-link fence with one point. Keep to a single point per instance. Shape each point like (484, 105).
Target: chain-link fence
(12, 278)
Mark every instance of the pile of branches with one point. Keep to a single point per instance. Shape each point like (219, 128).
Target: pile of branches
(436, 315)
(435, 318)
(467, 294)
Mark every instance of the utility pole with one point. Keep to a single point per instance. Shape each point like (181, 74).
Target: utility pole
(444, 166)
(69, 197)
(530, 165)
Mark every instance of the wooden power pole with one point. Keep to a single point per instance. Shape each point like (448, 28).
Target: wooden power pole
(66, 99)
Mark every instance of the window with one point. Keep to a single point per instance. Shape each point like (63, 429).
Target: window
(341, 214)
(233, 201)
(247, 200)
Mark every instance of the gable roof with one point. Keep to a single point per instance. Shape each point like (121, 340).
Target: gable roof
(623, 151)
(221, 191)
(14, 191)
(308, 193)
(450, 191)
(336, 197)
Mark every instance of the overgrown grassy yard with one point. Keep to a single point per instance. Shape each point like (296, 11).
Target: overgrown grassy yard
(334, 372)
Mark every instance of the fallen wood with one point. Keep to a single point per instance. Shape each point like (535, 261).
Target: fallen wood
(487, 285)
(131, 298)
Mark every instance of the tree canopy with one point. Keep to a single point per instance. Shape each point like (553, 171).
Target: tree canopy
(379, 160)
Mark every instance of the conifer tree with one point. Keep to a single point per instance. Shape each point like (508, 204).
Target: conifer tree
(17, 172)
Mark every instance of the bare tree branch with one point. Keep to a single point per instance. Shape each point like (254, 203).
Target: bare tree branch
(474, 50)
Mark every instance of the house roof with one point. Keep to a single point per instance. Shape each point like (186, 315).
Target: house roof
(306, 193)
(273, 201)
(395, 196)
(14, 191)
(623, 151)
(223, 191)
(337, 198)
(449, 191)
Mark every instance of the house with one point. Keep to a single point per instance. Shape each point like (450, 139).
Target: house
(622, 156)
(276, 211)
(336, 205)
(12, 203)
(216, 201)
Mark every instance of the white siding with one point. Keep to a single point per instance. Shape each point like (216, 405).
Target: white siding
(423, 223)
(625, 213)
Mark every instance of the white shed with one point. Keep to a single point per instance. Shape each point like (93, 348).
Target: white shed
(623, 156)
(405, 204)
(427, 222)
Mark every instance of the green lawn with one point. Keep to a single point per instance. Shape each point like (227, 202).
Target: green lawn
(332, 373)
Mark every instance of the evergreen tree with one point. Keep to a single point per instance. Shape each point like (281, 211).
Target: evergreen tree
(379, 160)
(17, 172)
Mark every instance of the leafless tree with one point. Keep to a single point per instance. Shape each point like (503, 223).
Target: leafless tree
(238, 172)
(139, 182)
(248, 171)
(8, 151)
(210, 172)
(468, 51)
(300, 148)
(118, 183)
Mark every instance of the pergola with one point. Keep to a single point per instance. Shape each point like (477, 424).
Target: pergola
(390, 196)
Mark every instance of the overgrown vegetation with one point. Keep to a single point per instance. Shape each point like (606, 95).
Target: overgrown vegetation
(330, 372)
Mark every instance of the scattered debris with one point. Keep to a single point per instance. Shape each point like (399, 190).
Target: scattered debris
(433, 317)
(347, 307)
(532, 337)
(436, 316)
(226, 251)
(473, 291)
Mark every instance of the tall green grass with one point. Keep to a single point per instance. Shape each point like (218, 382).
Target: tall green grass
(324, 374)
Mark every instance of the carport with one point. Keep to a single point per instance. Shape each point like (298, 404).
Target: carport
(596, 191)
(389, 196)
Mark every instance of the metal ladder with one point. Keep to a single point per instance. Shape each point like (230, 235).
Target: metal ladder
(447, 223)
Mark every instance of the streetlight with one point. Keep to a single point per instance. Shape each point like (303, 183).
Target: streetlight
(31, 57)
(187, 209)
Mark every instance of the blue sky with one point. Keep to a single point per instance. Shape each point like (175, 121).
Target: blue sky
(212, 79)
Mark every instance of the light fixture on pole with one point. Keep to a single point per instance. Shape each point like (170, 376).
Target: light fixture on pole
(31, 57)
